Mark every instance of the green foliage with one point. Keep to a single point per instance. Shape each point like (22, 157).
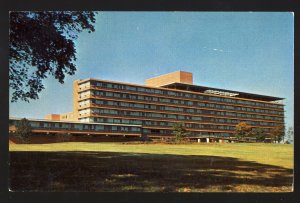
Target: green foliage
(277, 133)
(41, 44)
(242, 130)
(259, 134)
(179, 131)
(23, 130)
(290, 135)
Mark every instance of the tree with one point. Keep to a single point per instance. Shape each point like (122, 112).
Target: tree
(179, 131)
(290, 135)
(277, 133)
(23, 130)
(41, 44)
(242, 130)
(259, 134)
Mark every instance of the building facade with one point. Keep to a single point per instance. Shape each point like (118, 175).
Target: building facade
(172, 98)
(103, 107)
(48, 126)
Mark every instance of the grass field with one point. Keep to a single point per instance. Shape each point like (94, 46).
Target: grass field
(198, 167)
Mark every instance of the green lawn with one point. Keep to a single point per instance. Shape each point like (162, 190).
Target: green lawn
(198, 167)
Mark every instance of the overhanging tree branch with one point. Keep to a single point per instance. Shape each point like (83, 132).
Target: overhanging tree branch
(41, 44)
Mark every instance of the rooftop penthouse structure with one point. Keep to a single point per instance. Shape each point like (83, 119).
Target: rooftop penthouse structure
(152, 109)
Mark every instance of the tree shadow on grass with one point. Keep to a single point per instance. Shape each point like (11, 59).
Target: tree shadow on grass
(117, 172)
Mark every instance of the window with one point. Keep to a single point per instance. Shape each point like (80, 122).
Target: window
(156, 115)
(141, 89)
(200, 104)
(34, 124)
(196, 118)
(172, 116)
(124, 104)
(190, 103)
(84, 85)
(124, 129)
(109, 94)
(99, 127)
(181, 117)
(158, 91)
(215, 98)
(113, 112)
(108, 111)
(125, 121)
(135, 129)
(190, 110)
(137, 122)
(134, 113)
(117, 95)
(171, 93)
(148, 123)
(152, 107)
(132, 97)
(64, 125)
(141, 97)
(164, 100)
(175, 101)
(111, 103)
(100, 120)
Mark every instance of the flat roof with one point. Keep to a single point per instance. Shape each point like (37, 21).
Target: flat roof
(196, 89)
(179, 71)
(235, 94)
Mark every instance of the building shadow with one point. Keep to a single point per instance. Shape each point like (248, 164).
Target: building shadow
(118, 172)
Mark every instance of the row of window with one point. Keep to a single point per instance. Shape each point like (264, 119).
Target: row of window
(190, 125)
(196, 134)
(170, 124)
(178, 94)
(117, 121)
(88, 127)
(175, 117)
(106, 128)
(181, 102)
(180, 109)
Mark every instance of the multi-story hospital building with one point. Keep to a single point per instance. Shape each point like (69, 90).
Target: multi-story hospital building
(103, 107)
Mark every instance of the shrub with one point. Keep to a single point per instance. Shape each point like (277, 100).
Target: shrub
(23, 130)
(242, 130)
(259, 134)
(277, 133)
(179, 131)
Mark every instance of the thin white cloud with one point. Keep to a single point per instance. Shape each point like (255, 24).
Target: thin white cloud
(215, 49)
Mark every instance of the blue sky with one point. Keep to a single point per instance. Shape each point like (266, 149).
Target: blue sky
(242, 51)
